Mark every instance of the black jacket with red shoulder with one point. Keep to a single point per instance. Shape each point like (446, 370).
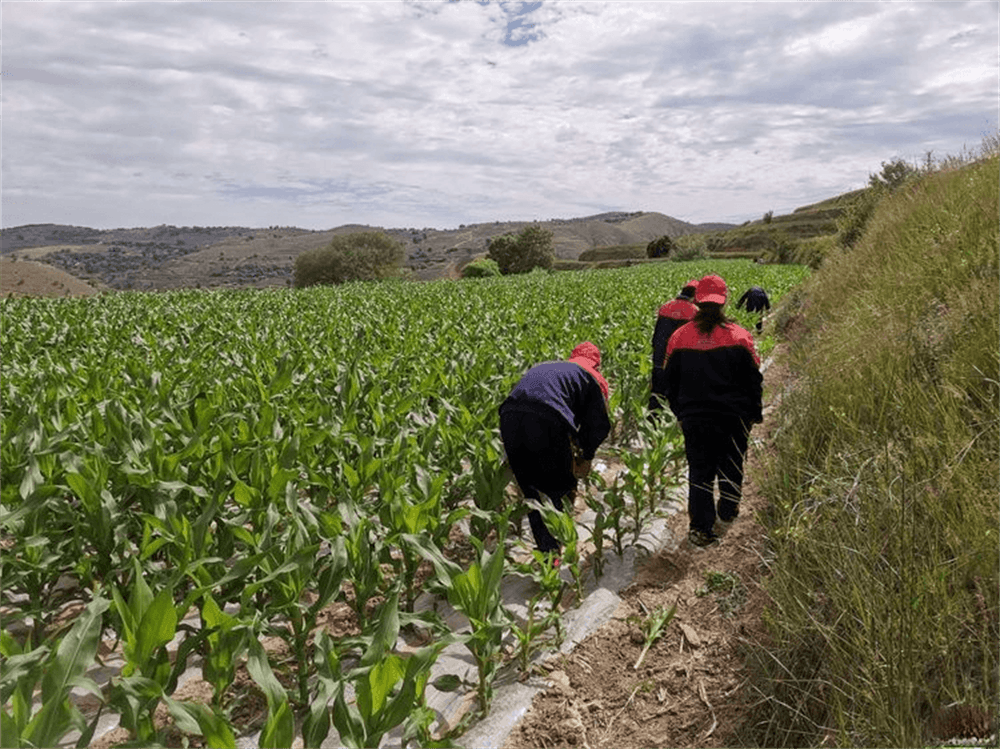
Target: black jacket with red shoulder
(671, 316)
(713, 375)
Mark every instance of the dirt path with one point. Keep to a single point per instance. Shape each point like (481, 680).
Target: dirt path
(690, 690)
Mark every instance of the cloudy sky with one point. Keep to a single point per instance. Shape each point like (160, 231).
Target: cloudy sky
(435, 114)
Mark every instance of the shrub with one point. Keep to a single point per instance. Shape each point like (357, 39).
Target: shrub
(780, 248)
(483, 267)
(689, 253)
(361, 256)
(893, 174)
(613, 252)
(661, 247)
(529, 249)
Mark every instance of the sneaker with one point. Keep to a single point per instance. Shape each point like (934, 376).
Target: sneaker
(702, 538)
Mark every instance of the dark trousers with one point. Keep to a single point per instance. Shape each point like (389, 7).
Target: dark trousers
(715, 448)
(538, 451)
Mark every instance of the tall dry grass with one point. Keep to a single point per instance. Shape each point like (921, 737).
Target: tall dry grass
(883, 558)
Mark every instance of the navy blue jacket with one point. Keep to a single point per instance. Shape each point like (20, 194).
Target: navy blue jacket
(755, 299)
(566, 391)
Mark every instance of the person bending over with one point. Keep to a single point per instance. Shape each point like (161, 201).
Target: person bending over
(557, 409)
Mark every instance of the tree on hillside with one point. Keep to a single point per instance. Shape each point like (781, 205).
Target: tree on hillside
(852, 222)
(893, 174)
(361, 256)
(661, 247)
(530, 248)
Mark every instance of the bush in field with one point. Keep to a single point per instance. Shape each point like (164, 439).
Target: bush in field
(361, 256)
(484, 267)
(661, 247)
(531, 248)
(780, 249)
(689, 253)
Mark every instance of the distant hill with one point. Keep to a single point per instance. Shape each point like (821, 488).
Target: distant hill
(164, 257)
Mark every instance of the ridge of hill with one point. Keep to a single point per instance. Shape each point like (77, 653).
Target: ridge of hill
(165, 256)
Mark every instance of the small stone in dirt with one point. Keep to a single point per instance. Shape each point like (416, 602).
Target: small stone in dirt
(561, 681)
(635, 634)
(690, 635)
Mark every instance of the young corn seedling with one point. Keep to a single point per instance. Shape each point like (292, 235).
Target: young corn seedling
(597, 531)
(148, 623)
(59, 671)
(475, 592)
(663, 448)
(388, 687)
(414, 512)
(614, 502)
(653, 627)
(364, 549)
(539, 620)
(279, 727)
(562, 525)
(634, 485)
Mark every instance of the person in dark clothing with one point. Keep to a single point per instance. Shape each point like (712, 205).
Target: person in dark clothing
(671, 316)
(556, 409)
(714, 388)
(755, 299)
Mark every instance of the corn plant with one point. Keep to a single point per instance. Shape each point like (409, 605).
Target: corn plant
(279, 727)
(388, 687)
(612, 501)
(227, 640)
(293, 565)
(414, 514)
(225, 466)
(475, 592)
(149, 623)
(597, 532)
(363, 543)
(540, 617)
(58, 671)
(662, 454)
(652, 629)
(562, 525)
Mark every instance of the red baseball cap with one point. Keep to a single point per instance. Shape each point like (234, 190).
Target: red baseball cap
(711, 290)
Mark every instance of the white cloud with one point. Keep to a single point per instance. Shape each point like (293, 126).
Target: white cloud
(435, 114)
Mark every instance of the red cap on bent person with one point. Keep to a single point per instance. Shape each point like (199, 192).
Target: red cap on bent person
(711, 290)
(588, 356)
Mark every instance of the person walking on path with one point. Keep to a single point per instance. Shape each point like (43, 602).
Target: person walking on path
(551, 425)
(714, 387)
(755, 299)
(670, 317)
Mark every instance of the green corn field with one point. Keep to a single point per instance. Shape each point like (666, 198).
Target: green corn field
(248, 458)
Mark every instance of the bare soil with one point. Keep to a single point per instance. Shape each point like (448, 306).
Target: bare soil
(691, 688)
(31, 278)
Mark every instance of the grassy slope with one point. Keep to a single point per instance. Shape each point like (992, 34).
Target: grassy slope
(884, 573)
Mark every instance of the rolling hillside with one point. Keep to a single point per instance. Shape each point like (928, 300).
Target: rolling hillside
(165, 257)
